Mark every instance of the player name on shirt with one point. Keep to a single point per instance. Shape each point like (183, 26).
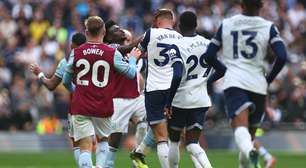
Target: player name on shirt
(167, 36)
(95, 51)
(196, 45)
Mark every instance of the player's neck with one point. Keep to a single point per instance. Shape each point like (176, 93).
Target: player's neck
(95, 40)
(189, 33)
(251, 13)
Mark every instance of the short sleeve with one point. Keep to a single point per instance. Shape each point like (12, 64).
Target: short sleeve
(70, 62)
(60, 69)
(274, 35)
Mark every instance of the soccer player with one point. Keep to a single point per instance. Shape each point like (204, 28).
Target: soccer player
(128, 102)
(191, 100)
(164, 74)
(244, 40)
(51, 83)
(93, 66)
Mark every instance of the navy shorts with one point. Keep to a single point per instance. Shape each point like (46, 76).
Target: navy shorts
(155, 102)
(187, 118)
(238, 100)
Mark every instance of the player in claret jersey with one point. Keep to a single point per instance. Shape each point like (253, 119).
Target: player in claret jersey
(244, 40)
(92, 67)
(77, 40)
(128, 103)
(164, 74)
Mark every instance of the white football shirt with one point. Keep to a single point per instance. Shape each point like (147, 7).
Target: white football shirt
(245, 40)
(162, 53)
(192, 92)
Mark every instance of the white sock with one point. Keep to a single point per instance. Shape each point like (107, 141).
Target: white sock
(162, 152)
(141, 131)
(243, 140)
(76, 154)
(101, 153)
(264, 153)
(142, 148)
(197, 151)
(111, 156)
(243, 161)
(195, 162)
(85, 160)
(174, 154)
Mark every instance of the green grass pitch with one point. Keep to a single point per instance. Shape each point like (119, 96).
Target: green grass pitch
(219, 159)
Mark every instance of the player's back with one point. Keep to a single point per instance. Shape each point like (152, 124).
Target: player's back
(93, 68)
(192, 92)
(161, 54)
(245, 40)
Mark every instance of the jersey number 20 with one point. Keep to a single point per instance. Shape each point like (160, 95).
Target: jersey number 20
(94, 76)
(249, 42)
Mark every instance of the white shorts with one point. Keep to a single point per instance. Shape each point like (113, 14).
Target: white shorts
(125, 109)
(85, 126)
(70, 126)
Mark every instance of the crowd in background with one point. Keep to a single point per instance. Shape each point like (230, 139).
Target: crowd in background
(39, 31)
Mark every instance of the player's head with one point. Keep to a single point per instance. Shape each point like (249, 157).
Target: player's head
(163, 18)
(128, 37)
(251, 6)
(95, 28)
(188, 22)
(77, 40)
(114, 34)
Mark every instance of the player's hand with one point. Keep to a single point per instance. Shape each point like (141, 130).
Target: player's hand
(135, 53)
(168, 112)
(35, 69)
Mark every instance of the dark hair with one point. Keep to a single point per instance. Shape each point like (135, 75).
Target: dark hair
(252, 4)
(109, 24)
(78, 39)
(94, 25)
(188, 20)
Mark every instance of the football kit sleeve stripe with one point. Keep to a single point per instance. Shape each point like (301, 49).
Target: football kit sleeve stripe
(274, 35)
(129, 68)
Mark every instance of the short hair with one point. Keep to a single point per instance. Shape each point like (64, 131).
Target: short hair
(78, 39)
(109, 24)
(252, 4)
(188, 20)
(164, 13)
(94, 25)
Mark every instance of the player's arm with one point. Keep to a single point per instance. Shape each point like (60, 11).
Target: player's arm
(124, 49)
(51, 83)
(143, 45)
(280, 51)
(210, 57)
(176, 80)
(67, 78)
(129, 69)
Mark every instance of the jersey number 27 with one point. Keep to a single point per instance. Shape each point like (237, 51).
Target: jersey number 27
(94, 76)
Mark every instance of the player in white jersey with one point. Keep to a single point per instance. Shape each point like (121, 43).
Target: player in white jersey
(163, 76)
(191, 100)
(245, 39)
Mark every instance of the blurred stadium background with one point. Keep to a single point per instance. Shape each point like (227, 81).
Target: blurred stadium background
(39, 31)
